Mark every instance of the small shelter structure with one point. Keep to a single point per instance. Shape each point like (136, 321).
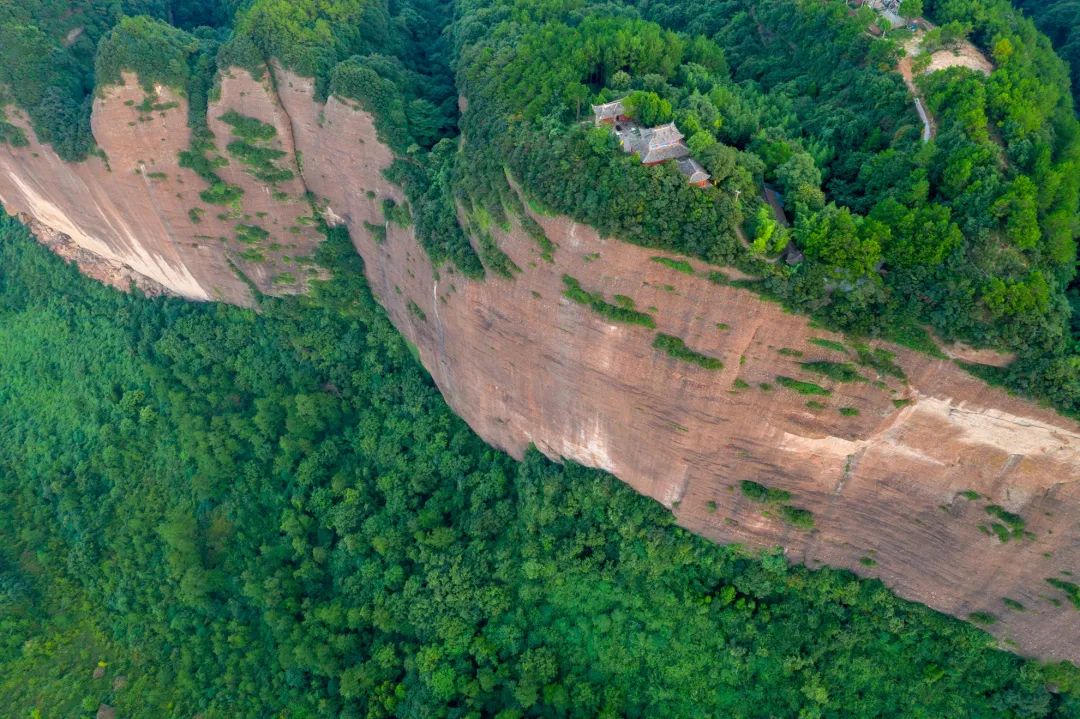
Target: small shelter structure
(609, 113)
(694, 172)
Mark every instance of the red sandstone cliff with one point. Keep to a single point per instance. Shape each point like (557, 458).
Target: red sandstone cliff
(522, 364)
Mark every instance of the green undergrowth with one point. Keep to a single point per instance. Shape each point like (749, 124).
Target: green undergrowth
(675, 347)
(1071, 589)
(802, 387)
(838, 371)
(1011, 525)
(828, 344)
(678, 265)
(202, 158)
(595, 301)
(761, 493)
(252, 148)
(795, 516)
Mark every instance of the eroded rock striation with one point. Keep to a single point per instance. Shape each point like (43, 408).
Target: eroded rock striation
(954, 493)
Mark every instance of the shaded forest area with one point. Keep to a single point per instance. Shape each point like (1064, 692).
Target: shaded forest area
(1060, 20)
(242, 514)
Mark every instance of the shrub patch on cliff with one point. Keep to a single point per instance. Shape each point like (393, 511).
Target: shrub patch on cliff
(252, 149)
(802, 387)
(839, 371)
(595, 301)
(676, 347)
(761, 493)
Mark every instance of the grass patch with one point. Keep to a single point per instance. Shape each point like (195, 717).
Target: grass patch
(1001, 532)
(970, 494)
(718, 278)
(1072, 590)
(250, 149)
(148, 105)
(202, 159)
(815, 405)
(625, 301)
(678, 265)
(797, 517)
(868, 562)
(1011, 525)
(723, 326)
(765, 386)
(803, 387)
(849, 411)
(285, 278)
(250, 234)
(261, 162)
(494, 258)
(417, 312)
(838, 371)
(761, 493)
(710, 506)
(914, 337)
(249, 128)
(398, 214)
(901, 403)
(740, 383)
(675, 347)
(536, 232)
(985, 618)
(1013, 604)
(828, 344)
(788, 352)
(881, 360)
(378, 232)
(595, 301)
(195, 214)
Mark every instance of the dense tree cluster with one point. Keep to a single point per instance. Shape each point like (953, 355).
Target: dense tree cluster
(48, 50)
(251, 514)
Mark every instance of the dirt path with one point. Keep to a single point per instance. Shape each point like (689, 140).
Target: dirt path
(962, 55)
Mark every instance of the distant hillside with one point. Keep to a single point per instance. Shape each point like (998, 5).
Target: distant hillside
(1060, 20)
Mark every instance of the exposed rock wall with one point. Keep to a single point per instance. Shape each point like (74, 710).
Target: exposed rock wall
(523, 364)
(136, 208)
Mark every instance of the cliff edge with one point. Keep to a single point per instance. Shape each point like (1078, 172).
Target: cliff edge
(898, 465)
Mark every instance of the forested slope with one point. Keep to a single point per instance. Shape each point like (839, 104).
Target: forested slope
(246, 514)
(1060, 20)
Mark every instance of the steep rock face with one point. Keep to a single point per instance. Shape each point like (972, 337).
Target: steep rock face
(140, 212)
(888, 487)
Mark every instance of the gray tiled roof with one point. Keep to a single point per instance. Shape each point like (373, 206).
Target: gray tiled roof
(665, 152)
(693, 170)
(609, 110)
(656, 137)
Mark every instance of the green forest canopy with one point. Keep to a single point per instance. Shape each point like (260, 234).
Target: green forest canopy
(246, 514)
